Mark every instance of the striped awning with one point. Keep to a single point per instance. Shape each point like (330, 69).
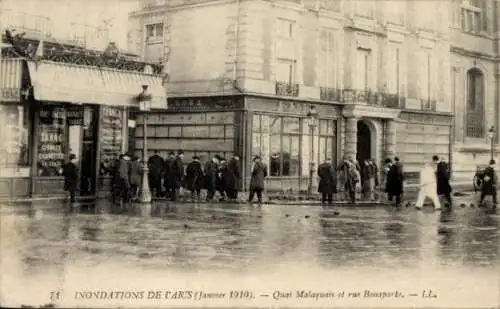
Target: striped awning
(11, 72)
(63, 82)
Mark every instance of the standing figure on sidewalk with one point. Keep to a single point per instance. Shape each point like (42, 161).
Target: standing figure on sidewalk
(194, 178)
(232, 178)
(443, 179)
(367, 180)
(135, 177)
(155, 166)
(220, 183)
(179, 172)
(394, 182)
(169, 176)
(489, 186)
(327, 185)
(259, 172)
(70, 173)
(211, 170)
(124, 179)
(375, 181)
(428, 186)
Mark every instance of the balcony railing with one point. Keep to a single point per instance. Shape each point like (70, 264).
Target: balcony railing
(287, 89)
(363, 96)
(428, 105)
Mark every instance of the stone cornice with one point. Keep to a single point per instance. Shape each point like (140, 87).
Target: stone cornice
(363, 110)
(473, 54)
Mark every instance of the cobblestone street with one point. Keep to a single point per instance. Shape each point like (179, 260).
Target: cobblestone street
(217, 247)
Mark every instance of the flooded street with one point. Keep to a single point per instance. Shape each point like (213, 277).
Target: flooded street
(241, 255)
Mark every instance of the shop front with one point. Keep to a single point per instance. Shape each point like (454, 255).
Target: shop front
(15, 120)
(80, 110)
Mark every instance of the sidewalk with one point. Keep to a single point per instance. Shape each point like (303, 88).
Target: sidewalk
(282, 198)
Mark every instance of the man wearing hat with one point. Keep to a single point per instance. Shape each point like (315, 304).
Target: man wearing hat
(194, 178)
(259, 172)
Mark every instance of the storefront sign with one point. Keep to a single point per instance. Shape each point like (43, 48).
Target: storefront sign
(10, 94)
(75, 116)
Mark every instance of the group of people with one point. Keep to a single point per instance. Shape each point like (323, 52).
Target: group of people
(168, 176)
(353, 177)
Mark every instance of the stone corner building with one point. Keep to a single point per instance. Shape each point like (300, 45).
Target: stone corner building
(387, 78)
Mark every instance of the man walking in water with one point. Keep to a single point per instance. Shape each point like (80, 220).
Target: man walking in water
(489, 186)
(428, 187)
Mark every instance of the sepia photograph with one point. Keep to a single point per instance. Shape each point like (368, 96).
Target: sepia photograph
(249, 153)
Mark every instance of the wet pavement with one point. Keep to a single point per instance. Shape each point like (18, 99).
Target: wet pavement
(244, 255)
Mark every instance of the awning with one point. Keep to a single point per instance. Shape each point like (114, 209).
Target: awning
(11, 72)
(63, 82)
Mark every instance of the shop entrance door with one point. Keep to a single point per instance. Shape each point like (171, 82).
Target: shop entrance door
(88, 180)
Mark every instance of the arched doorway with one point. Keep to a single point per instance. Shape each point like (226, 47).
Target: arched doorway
(364, 146)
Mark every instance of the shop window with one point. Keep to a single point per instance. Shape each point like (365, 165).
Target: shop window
(111, 137)
(14, 148)
(475, 104)
(327, 133)
(51, 140)
(277, 140)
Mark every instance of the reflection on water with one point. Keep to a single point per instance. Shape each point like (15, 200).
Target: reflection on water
(47, 244)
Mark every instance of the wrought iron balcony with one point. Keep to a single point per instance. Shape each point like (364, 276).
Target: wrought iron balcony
(428, 105)
(287, 89)
(24, 22)
(373, 98)
(330, 94)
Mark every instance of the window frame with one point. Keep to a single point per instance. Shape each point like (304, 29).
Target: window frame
(475, 112)
(154, 38)
(473, 17)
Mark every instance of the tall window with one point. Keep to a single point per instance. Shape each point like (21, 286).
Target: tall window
(14, 148)
(154, 32)
(285, 28)
(327, 65)
(363, 69)
(277, 140)
(473, 15)
(327, 133)
(475, 104)
(285, 71)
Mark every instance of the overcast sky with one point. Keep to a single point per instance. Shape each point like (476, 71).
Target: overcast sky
(91, 12)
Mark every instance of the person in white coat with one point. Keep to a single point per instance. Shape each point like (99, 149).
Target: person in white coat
(428, 187)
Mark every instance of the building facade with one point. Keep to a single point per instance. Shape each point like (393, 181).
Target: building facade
(474, 33)
(378, 72)
(58, 99)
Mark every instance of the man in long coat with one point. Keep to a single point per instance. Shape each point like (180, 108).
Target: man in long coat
(443, 179)
(327, 181)
(220, 184)
(259, 172)
(489, 186)
(211, 170)
(232, 178)
(170, 177)
(394, 184)
(70, 173)
(156, 166)
(194, 178)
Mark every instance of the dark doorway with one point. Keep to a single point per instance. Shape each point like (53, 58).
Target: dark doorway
(89, 155)
(364, 147)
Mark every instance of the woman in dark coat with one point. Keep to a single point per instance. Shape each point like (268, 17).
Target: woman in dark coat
(259, 172)
(135, 177)
(394, 184)
(327, 181)
(194, 178)
(232, 178)
(70, 173)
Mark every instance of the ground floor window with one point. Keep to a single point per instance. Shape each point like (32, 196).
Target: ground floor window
(111, 128)
(52, 136)
(14, 137)
(284, 143)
